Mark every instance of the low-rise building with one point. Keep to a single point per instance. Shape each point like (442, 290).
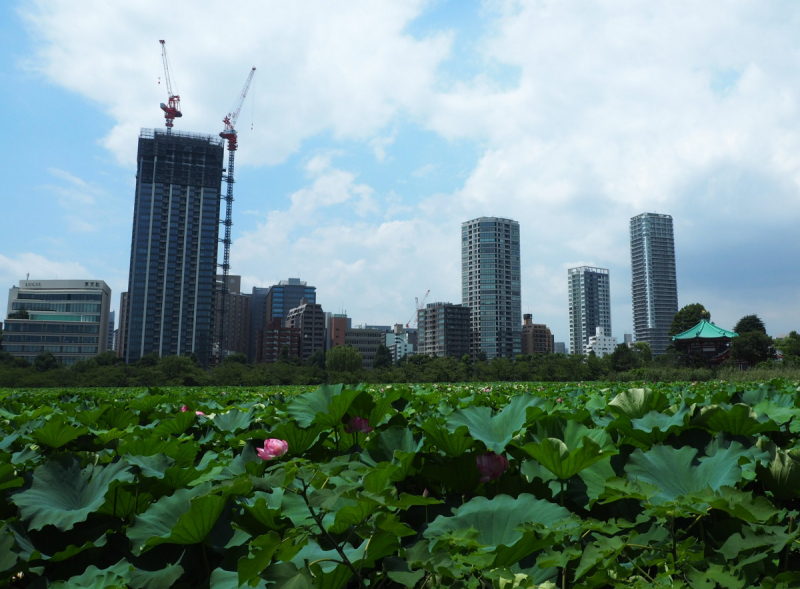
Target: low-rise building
(68, 318)
(366, 341)
(401, 342)
(536, 337)
(601, 344)
(273, 338)
(444, 330)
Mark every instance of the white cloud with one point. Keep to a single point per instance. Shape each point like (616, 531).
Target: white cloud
(346, 68)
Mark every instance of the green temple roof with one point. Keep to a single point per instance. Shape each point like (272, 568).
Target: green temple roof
(704, 330)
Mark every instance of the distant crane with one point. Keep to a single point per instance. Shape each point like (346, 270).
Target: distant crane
(173, 107)
(417, 306)
(229, 134)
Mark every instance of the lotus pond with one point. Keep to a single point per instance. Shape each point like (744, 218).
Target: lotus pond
(513, 485)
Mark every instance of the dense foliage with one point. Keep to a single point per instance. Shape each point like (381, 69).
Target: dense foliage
(625, 364)
(504, 486)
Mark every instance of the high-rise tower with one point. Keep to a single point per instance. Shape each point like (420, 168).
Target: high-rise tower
(654, 285)
(589, 297)
(490, 285)
(171, 282)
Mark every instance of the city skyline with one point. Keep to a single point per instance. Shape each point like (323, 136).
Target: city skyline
(358, 183)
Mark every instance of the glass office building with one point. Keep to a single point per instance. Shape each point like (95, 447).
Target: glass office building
(654, 282)
(174, 243)
(490, 285)
(68, 318)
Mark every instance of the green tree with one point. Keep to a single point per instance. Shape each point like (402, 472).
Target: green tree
(752, 347)
(789, 345)
(750, 324)
(643, 351)
(148, 360)
(45, 361)
(108, 358)
(317, 358)
(283, 355)
(383, 357)
(343, 359)
(688, 317)
(623, 359)
(238, 357)
(480, 356)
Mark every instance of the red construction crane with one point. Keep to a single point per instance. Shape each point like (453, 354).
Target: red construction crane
(173, 107)
(418, 306)
(229, 134)
(230, 121)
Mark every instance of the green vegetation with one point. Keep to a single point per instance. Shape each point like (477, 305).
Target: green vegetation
(504, 486)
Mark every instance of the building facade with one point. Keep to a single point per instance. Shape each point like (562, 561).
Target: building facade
(560, 347)
(366, 341)
(174, 242)
(110, 340)
(444, 330)
(401, 342)
(337, 324)
(654, 285)
(536, 337)
(589, 295)
(266, 303)
(237, 316)
(273, 338)
(68, 318)
(490, 285)
(309, 318)
(601, 344)
(123, 325)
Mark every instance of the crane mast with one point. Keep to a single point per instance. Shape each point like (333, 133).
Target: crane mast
(172, 109)
(229, 134)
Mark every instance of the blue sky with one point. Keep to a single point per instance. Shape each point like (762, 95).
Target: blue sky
(378, 128)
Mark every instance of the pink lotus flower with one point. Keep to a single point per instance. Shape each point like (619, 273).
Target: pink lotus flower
(425, 493)
(273, 448)
(200, 413)
(184, 408)
(559, 400)
(358, 424)
(491, 466)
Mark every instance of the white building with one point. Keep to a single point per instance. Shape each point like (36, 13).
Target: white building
(601, 344)
(400, 342)
(68, 318)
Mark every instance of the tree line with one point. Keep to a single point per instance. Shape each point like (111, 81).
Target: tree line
(344, 364)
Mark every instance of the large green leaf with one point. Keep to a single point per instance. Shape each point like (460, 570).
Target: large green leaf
(185, 517)
(299, 439)
(673, 472)
(234, 420)
(113, 577)
(495, 431)
(782, 475)
(175, 426)
(555, 456)
(261, 551)
(737, 420)
(496, 521)
(636, 403)
(304, 408)
(454, 445)
(57, 432)
(62, 494)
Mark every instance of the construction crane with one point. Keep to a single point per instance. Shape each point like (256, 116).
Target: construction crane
(229, 134)
(173, 107)
(417, 306)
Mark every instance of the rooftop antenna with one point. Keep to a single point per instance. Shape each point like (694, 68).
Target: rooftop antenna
(27, 276)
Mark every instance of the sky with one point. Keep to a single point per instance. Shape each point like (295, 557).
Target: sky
(372, 130)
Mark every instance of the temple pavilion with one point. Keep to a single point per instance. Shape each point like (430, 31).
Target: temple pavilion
(707, 340)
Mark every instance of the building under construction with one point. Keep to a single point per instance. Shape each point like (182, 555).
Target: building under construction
(174, 245)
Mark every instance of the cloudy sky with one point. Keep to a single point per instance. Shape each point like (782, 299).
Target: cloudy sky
(374, 129)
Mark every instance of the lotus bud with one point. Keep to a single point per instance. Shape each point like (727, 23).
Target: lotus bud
(273, 448)
(491, 466)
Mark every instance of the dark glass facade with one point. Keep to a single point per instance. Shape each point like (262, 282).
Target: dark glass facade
(174, 243)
